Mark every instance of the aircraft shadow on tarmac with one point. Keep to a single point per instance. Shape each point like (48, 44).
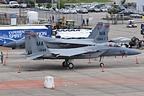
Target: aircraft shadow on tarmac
(42, 67)
(57, 67)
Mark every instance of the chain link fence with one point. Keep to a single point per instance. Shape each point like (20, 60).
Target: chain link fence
(5, 19)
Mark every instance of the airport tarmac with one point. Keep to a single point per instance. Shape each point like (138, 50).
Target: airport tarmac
(121, 76)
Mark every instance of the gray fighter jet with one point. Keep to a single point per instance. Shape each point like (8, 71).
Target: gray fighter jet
(98, 35)
(37, 49)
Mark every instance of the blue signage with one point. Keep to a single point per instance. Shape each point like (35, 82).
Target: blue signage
(12, 16)
(9, 35)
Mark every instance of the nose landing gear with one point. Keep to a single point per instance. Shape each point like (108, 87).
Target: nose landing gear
(101, 64)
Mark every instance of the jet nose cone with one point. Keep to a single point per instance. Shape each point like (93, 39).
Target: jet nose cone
(10, 44)
(136, 53)
(133, 52)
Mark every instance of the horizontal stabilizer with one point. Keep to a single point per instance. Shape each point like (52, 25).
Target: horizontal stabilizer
(34, 56)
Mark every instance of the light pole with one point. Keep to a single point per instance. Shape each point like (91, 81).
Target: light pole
(59, 4)
(59, 7)
(52, 1)
(35, 3)
(20, 7)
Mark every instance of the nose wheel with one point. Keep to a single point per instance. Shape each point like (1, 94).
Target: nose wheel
(101, 64)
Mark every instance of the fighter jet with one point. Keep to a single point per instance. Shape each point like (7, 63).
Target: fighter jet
(123, 41)
(37, 49)
(98, 35)
(120, 39)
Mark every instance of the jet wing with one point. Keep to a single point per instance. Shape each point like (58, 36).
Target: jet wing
(77, 51)
(82, 42)
(120, 39)
(69, 41)
(71, 52)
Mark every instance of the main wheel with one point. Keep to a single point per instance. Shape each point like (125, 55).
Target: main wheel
(64, 64)
(101, 64)
(70, 65)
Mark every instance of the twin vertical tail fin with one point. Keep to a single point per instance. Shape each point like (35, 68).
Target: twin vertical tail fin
(95, 30)
(33, 44)
(102, 35)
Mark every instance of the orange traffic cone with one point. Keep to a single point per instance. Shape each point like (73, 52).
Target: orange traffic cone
(19, 69)
(89, 61)
(102, 68)
(4, 62)
(137, 60)
(7, 54)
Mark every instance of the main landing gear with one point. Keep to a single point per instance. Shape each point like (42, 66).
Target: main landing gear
(68, 64)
